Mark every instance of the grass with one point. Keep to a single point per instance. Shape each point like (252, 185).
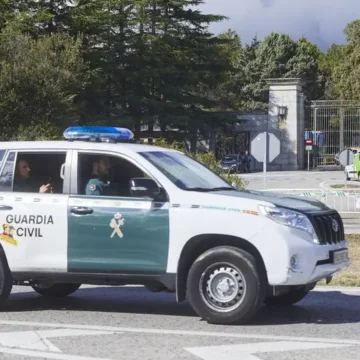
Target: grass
(351, 275)
(342, 186)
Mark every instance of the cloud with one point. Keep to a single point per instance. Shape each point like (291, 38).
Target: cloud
(320, 21)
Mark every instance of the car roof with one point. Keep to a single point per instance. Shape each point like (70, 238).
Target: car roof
(81, 145)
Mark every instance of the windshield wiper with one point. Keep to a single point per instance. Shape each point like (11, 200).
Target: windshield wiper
(210, 189)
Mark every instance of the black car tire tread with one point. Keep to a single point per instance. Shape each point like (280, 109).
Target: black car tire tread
(57, 290)
(255, 285)
(6, 281)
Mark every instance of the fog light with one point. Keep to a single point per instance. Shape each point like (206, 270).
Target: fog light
(294, 262)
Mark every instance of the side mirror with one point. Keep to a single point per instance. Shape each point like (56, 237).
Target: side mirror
(144, 187)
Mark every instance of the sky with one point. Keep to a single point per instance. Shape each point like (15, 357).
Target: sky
(320, 21)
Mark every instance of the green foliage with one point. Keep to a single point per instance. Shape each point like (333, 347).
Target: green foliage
(278, 56)
(344, 65)
(149, 62)
(39, 80)
(41, 131)
(206, 159)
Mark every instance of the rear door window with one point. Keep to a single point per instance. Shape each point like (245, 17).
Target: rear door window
(7, 172)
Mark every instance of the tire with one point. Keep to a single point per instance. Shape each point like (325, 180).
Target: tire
(235, 265)
(56, 290)
(288, 299)
(6, 281)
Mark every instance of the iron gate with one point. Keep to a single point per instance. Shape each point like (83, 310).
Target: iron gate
(334, 126)
(232, 143)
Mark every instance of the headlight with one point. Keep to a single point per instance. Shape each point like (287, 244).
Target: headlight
(289, 218)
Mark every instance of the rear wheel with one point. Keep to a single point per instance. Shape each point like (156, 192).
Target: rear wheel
(290, 298)
(56, 290)
(224, 286)
(6, 281)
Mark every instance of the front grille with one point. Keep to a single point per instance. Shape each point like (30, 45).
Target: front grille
(323, 225)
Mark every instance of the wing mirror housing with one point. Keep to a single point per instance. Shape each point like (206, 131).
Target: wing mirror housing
(144, 187)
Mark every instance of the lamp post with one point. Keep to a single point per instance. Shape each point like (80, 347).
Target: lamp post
(282, 111)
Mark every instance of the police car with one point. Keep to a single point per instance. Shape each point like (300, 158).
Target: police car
(168, 223)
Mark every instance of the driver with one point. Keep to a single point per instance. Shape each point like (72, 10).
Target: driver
(97, 184)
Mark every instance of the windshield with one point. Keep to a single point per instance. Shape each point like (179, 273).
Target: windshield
(229, 158)
(183, 171)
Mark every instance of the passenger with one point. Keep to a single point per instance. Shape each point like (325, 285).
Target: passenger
(24, 183)
(97, 184)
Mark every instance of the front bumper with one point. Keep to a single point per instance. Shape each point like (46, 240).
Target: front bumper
(313, 266)
(313, 260)
(319, 266)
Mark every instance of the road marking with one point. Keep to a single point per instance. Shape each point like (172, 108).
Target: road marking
(46, 355)
(246, 351)
(36, 343)
(38, 340)
(286, 174)
(182, 332)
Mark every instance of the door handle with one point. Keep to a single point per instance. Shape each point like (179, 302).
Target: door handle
(5, 207)
(81, 210)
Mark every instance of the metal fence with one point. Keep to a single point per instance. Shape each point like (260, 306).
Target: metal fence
(344, 201)
(335, 125)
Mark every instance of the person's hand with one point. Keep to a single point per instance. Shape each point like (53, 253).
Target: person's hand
(45, 188)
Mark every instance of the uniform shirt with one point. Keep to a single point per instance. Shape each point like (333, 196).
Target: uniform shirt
(96, 186)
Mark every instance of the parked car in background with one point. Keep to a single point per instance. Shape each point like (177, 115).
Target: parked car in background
(231, 162)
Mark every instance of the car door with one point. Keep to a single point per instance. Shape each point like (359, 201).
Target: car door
(33, 225)
(114, 233)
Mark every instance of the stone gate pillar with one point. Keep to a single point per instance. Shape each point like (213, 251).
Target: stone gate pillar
(286, 114)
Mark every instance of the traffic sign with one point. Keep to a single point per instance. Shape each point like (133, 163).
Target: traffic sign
(346, 157)
(258, 147)
(308, 144)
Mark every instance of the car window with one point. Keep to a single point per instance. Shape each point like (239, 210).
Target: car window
(229, 158)
(115, 175)
(183, 171)
(7, 172)
(36, 172)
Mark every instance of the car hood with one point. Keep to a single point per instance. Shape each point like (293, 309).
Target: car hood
(300, 203)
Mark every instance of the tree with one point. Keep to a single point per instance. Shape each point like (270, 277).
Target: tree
(40, 80)
(329, 61)
(278, 56)
(345, 65)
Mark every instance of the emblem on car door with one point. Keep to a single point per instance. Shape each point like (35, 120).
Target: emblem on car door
(7, 234)
(116, 222)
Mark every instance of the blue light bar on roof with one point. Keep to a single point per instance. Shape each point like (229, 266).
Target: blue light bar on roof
(98, 133)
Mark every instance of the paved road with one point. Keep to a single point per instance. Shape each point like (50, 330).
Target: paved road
(131, 323)
(292, 179)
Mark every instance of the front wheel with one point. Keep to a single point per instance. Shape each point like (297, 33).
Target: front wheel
(56, 290)
(288, 299)
(225, 287)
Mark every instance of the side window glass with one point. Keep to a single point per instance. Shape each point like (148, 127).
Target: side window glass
(106, 175)
(7, 172)
(2, 153)
(39, 172)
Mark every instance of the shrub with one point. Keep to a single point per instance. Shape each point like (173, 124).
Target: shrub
(208, 160)
(41, 131)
